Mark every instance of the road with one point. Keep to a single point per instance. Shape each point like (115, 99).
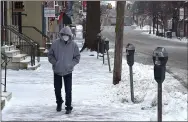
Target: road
(177, 51)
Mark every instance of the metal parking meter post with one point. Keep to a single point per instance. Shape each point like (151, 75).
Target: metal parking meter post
(98, 45)
(160, 58)
(103, 51)
(98, 50)
(130, 50)
(103, 47)
(107, 48)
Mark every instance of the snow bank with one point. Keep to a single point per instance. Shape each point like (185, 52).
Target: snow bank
(79, 27)
(147, 28)
(145, 92)
(134, 25)
(184, 39)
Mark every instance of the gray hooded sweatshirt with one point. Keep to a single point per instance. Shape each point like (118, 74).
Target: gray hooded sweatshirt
(64, 56)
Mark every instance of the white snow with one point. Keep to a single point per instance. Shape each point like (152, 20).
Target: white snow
(174, 39)
(26, 60)
(94, 95)
(134, 25)
(46, 51)
(146, 29)
(112, 29)
(34, 66)
(42, 48)
(79, 27)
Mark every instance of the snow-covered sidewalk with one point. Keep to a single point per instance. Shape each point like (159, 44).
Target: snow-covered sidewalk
(94, 96)
(146, 29)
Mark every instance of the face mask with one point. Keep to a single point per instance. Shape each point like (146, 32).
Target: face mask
(65, 38)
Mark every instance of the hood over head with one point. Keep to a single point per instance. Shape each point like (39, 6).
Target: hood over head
(67, 31)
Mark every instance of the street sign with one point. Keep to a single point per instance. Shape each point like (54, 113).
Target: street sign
(49, 9)
(49, 12)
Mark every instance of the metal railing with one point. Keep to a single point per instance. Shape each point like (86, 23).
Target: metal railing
(44, 36)
(23, 43)
(37, 51)
(5, 59)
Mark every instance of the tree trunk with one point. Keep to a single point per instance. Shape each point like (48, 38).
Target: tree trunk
(153, 23)
(157, 33)
(153, 12)
(118, 42)
(92, 25)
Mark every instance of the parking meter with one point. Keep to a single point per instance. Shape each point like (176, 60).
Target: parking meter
(130, 50)
(106, 49)
(98, 44)
(160, 58)
(106, 44)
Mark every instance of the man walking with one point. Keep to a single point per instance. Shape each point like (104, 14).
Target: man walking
(64, 54)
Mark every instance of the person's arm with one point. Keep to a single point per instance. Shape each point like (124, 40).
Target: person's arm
(51, 55)
(76, 55)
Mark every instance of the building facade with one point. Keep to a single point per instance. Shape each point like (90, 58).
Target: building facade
(18, 14)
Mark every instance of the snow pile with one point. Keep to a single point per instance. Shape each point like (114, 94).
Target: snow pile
(147, 28)
(109, 28)
(184, 39)
(79, 27)
(134, 25)
(45, 51)
(145, 92)
(112, 28)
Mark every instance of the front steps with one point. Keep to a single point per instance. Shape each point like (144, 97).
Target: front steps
(5, 97)
(18, 61)
(2, 104)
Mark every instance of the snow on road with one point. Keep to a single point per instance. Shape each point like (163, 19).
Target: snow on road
(183, 40)
(146, 29)
(94, 96)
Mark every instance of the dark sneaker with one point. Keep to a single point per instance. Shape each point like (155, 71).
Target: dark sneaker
(68, 112)
(59, 107)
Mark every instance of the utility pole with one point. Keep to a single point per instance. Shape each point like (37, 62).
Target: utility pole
(120, 8)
